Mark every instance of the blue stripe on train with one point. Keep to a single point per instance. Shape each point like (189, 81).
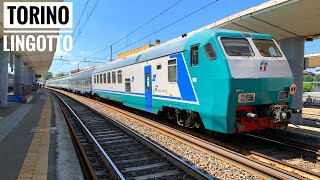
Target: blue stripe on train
(184, 82)
(141, 94)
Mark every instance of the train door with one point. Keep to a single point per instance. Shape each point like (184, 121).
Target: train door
(148, 88)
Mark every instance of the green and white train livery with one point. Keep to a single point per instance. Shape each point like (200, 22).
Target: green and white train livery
(220, 80)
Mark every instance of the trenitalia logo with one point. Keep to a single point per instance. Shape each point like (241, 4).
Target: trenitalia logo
(263, 66)
(35, 26)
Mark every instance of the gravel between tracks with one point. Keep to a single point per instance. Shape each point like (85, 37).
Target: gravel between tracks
(208, 164)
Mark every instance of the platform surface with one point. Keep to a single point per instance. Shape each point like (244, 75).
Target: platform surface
(35, 142)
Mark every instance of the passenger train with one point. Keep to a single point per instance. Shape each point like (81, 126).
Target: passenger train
(221, 80)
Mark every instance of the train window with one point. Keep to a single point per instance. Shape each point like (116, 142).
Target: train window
(147, 81)
(194, 55)
(127, 85)
(172, 70)
(104, 78)
(109, 78)
(113, 77)
(119, 76)
(95, 79)
(211, 54)
(237, 46)
(267, 47)
(159, 66)
(100, 78)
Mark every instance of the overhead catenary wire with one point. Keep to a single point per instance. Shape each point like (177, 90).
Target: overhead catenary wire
(182, 18)
(147, 22)
(78, 23)
(85, 23)
(139, 40)
(79, 20)
(135, 30)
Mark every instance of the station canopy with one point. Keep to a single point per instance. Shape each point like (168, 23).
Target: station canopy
(279, 18)
(39, 62)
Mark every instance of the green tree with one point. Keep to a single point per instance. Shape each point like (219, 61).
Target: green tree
(59, 75)
(307, 78)
(47, 76)
(317, 78)
(307, 87)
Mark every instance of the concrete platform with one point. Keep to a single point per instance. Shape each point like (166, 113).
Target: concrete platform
(35, 142)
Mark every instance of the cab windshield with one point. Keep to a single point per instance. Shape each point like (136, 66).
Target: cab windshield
(237, 46)
(267, 48)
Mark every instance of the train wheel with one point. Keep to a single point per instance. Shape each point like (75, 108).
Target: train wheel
(170, 114)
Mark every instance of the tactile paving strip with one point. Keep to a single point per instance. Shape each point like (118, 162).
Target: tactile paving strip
(35, 165)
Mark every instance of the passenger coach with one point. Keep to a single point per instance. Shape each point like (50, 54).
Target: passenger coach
(220, 80)
(223, 80)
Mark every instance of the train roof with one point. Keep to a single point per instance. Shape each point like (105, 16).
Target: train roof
(171, 47)
(82, 74)
(151, 53)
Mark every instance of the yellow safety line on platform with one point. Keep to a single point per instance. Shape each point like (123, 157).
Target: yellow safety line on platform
(35, 165)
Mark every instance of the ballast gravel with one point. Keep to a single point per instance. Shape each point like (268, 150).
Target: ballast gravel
(202, 161)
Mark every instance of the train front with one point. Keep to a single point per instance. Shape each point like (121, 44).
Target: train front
(261, 86)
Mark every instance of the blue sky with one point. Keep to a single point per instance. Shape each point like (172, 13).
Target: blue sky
(112, 20)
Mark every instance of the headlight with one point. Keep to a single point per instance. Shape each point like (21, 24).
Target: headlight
(293, 89)
(246, 97)
(283, 95)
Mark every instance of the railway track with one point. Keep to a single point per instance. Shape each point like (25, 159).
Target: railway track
(309, 150)
(110, 150)
(255, 163)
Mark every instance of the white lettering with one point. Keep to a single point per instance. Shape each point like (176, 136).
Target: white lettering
(58, 42)
(5, 43)
(39, 43)
(29, 45)
(41, 40)
(50, 41)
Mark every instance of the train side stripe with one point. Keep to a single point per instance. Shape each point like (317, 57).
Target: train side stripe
(184, 83)
(140, 94)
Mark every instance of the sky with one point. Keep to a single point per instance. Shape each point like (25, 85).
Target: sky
(111, 21)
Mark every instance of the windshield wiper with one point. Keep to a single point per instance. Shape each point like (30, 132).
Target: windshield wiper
(235, 53)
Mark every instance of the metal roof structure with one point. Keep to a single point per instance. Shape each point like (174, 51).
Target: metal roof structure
(39, 62)
(279, 18)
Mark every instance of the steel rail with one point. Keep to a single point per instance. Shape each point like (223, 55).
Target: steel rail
(286, 144)
(109, 163)
(168, 155)
(289, 171)
(234, 158)
(284, 172)
(160, 127)
(88, 169)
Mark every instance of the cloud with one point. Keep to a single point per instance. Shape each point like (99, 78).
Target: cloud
(60, 53)
(84, 52)
(74, 62)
